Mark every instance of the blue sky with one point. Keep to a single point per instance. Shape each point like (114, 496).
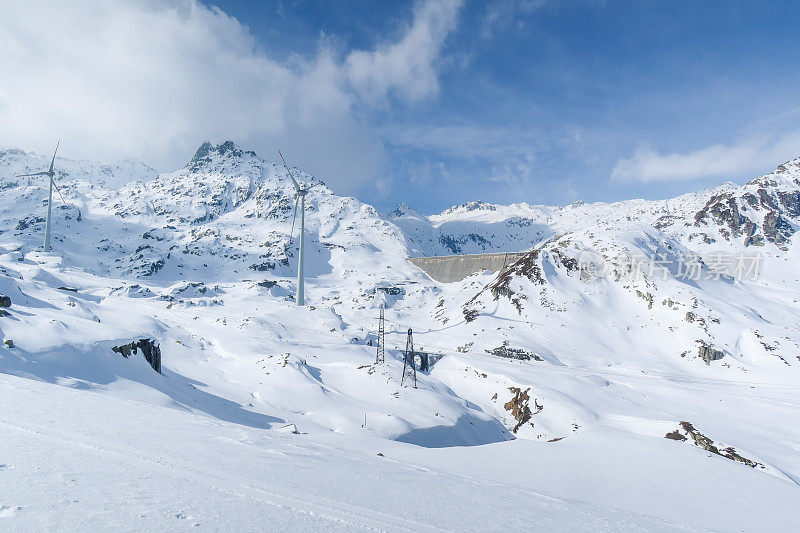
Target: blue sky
(438, 102)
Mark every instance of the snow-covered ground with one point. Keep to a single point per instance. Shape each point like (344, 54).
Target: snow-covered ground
(549, 408)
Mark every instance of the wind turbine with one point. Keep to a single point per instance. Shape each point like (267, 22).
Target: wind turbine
(50, 174)
(300, 196)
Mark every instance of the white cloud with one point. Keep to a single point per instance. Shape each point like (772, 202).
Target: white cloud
(508, 155)
(751, 156)
(500, 14)
(406, 68)
(118, 78)
(466, 141)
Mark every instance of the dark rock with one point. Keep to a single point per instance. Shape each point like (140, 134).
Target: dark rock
(455, 244)
(723, 209)
(152, 235)
(527, 266)
(153, 267)
(28, 221)
(570, 263)
(765, 199)
(470, 315)
(518, 406)
(4, 313)
(645, 296)
(267, 284)
(513, 353)
(70, 289)
(519, 222)
(9, 343)
(204, 153)
(708, 354)
(5, 301)
(391, 291)
(701, 441)
(675, 435)
(731, 454)
(776, 229)
(751, 199)
(790, 202)
(150, 350)
(264, 266)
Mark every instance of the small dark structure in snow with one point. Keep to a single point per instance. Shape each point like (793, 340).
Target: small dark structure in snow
(427, 360)
(408, 360)
(150, 350)
(391, 290)
(424, 364)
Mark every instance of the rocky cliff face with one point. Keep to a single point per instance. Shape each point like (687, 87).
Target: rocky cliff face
(764, 210)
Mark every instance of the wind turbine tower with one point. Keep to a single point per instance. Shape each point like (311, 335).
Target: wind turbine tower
(49, 173)
(300, 196)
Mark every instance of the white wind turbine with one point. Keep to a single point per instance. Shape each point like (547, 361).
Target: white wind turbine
(300, 196)
(50, 174)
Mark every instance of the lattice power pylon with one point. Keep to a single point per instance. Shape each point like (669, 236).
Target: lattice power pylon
(379, 357)
(408, 361)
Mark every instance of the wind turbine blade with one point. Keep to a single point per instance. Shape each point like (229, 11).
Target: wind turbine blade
(294, 181)
(54, 155)
(34, 174)
(59, 192)
(291, 233)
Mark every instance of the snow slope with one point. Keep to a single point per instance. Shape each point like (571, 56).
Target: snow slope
(556, 386)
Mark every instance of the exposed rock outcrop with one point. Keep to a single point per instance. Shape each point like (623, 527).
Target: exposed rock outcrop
(150, 350)
(708, 354)
(519, 408)
(727, 211)
(513, 353)
(527, 266)
(723, 209)
(687, 430)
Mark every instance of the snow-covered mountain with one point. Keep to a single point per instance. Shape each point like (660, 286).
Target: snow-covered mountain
(634, 339)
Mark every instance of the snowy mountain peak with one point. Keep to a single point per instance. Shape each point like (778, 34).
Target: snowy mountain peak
(403, 210)
(788, 172)
(14, 161)
(470, 206)
(209, 154)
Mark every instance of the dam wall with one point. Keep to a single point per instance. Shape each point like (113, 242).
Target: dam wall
(451, 268)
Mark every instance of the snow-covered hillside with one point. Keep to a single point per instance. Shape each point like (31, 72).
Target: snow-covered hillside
(641, 354)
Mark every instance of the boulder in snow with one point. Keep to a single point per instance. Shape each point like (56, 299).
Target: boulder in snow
(150, 350)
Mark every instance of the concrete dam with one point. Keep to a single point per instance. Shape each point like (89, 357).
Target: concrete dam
(451, 268)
